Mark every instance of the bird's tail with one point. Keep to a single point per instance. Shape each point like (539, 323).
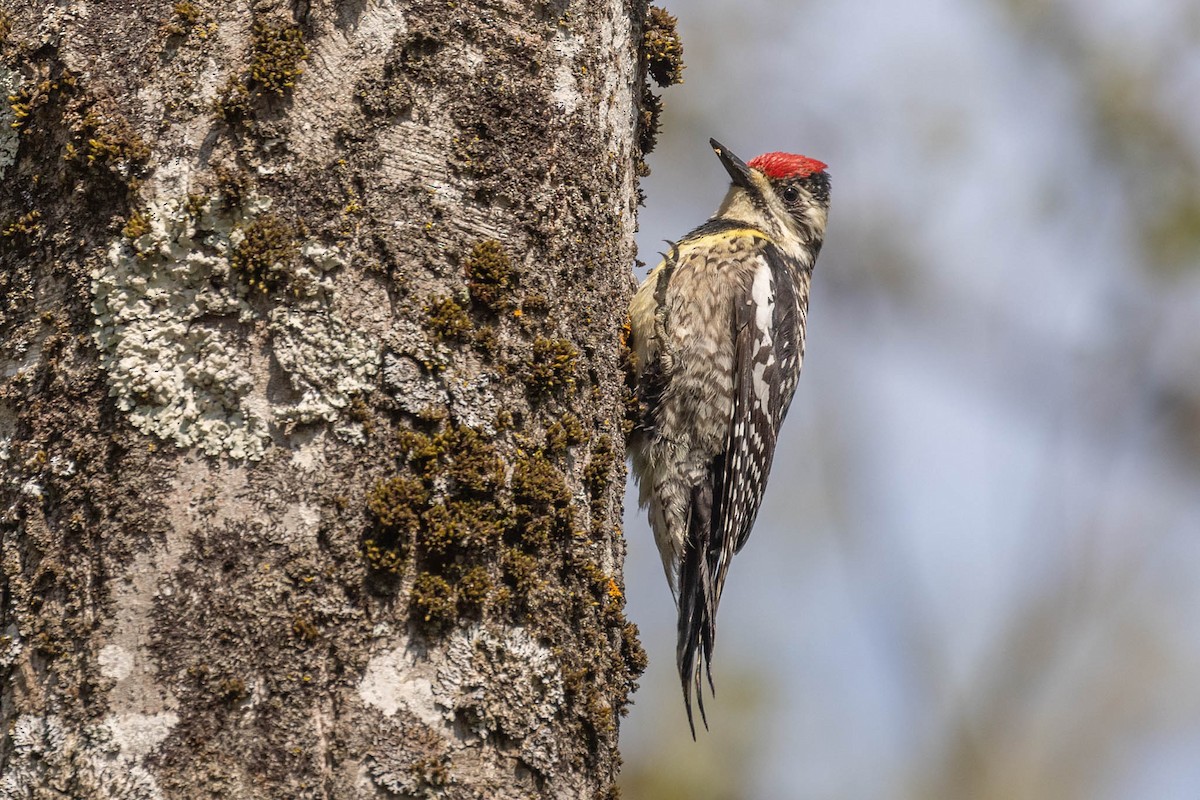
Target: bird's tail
(699, 594)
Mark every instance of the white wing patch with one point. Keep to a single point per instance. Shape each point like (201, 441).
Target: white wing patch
(762, 294)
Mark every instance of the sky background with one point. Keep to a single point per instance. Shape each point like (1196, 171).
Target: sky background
(976, 573)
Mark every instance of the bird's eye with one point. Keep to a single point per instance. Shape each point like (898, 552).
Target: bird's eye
(791, 194)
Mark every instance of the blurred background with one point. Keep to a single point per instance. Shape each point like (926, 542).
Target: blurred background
(976, 573)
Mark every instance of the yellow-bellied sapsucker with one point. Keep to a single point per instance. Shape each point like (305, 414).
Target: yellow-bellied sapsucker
(717, 333)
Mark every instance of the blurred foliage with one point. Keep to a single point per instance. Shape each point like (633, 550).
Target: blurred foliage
(683, 770)
(1138, 130)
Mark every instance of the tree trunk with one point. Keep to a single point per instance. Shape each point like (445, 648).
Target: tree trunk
(311, 427)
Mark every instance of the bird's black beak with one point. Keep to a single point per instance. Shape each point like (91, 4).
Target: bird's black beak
(736, 168)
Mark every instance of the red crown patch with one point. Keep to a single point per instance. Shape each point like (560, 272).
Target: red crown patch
(777, 166)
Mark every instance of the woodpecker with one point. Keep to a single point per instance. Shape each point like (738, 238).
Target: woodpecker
(717, 338)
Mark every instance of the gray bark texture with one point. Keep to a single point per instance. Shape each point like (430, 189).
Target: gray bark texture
(313, 402)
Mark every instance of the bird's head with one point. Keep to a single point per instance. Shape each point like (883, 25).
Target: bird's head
(784, 195)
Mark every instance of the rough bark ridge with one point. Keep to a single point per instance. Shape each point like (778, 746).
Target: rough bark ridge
(311, 416)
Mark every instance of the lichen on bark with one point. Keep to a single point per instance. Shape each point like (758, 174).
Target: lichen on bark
(174, 312)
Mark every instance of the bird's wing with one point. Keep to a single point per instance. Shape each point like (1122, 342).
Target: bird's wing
(769, 336)
(768, 331)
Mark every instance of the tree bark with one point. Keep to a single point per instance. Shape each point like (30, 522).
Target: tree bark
(311, 423)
